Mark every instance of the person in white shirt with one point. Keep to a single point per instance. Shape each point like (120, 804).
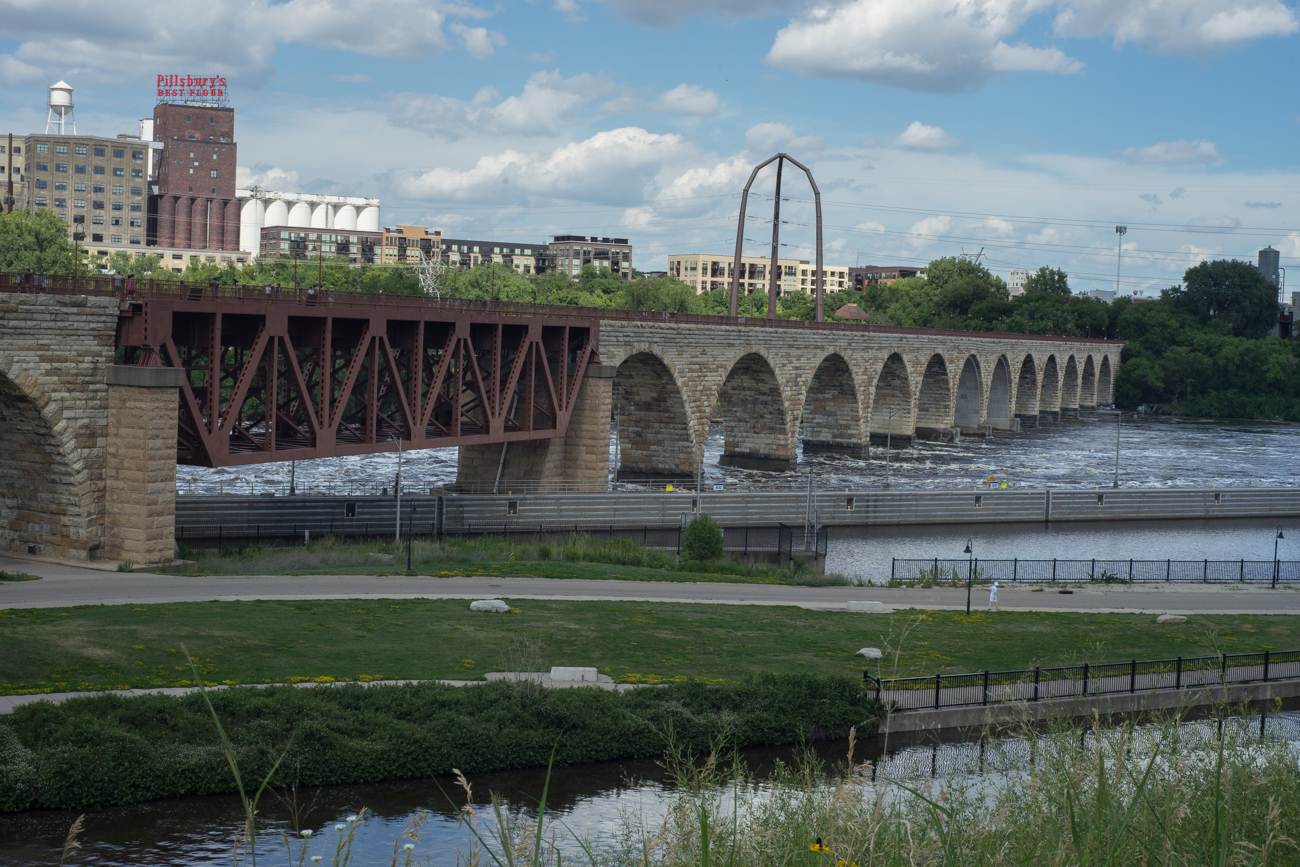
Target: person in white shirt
(993, 597)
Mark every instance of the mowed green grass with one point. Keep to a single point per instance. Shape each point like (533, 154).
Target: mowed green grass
(108, 647)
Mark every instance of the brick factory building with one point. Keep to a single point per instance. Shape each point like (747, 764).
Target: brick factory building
(193, 203)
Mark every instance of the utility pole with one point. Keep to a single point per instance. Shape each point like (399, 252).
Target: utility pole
(1121, 231)
(397, 534)
(1119, 417)
(773, 286)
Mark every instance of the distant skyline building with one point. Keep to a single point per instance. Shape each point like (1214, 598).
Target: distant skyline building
(705, 272)
(267, 209)
(864, 276)
(1016, 279)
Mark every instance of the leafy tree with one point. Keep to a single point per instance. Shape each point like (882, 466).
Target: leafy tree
(1053, 281)
(957, 297)
(37, 242)
(660, 294)
(703, 541)
(950, 269)
(1228, 291)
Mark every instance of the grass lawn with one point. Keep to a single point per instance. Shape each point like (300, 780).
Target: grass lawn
(110, 647)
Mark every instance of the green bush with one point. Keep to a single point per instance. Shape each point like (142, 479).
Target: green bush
(703, 540)
(110, 749)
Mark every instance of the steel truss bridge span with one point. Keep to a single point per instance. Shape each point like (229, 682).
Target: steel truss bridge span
(299, 375)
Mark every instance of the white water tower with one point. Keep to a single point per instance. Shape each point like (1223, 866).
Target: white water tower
(60, 120)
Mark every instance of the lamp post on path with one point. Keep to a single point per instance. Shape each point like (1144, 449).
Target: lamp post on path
(1276, 538)
(970, 569)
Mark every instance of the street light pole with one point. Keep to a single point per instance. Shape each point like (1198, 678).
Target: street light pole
(1119, 253)
(1118, 419)
(410, 528)
(1275, 564)
(970, 569)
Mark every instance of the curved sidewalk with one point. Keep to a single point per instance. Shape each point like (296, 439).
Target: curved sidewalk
(66, 584)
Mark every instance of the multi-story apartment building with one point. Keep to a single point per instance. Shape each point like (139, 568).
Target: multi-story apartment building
(96, 185)
(403, 244)
(705, 272)
(175, 259)
(568, 253)
(525, 258)
(289, 242)
(1016, 279)
(870, 275)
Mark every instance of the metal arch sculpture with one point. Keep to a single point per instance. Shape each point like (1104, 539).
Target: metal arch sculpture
(772, 286)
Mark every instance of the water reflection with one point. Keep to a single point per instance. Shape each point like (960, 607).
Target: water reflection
(589, 799)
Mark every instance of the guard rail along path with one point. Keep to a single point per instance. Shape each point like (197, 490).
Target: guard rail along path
(1082, 681)
(1098, 571)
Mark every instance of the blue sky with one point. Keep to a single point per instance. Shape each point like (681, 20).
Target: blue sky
(1027, 127)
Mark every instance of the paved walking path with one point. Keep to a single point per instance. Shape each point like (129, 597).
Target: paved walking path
(65, 584)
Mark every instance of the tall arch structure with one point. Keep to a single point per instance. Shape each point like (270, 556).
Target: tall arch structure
(999, 411)
(754, 418)
(654, 430)
(832, 421)
(1027, 393)
(1049, 397)
(892, 409)
(967, 415)
(934, 408)
(773, 286)
(1070, 389)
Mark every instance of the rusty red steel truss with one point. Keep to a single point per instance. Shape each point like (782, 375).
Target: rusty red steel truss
(273, 378)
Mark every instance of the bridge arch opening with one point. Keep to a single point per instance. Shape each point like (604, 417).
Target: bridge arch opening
(832, 422)
(1088, 385)
(999, 412)
(755, 436)
(1105, 397)
(970, 390)
(1027, 393)
(892, 415)
(654, 432)
(44, 500)
(1049, 395)
(1070, 389)
(934, 409)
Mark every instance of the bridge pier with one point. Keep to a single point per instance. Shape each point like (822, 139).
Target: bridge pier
(582, 455)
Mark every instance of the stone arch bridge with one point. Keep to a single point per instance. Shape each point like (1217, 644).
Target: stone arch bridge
(103, 390)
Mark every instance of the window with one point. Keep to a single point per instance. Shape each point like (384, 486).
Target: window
(119, 172)
(99, 170)
(41, 148)
(79, 188)
(81, 150)
(78, 218)
(118, 191)
(60, 203)
(61, 185)
(137, 155)
(223, 138)
(78, 203)
(135, 239)
(99, 152)
(97, 188)
(115, 239)
(117, 206)
(116, 221)
(97, 219)
(96, 238)
(136, 191)
(41, 183)
(80, 170)
(135, 206)
(60, 167)
(119, 153)
(40, 201)
(135, 221)
(192, 136)
(213, 173)
(188, 118)
(42, 167)
(97, 204)
(137, 173)
(60, 149)
(17, 149)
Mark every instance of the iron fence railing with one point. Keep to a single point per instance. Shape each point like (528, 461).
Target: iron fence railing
(1098, 571)
(128, 289)
(1076, 681)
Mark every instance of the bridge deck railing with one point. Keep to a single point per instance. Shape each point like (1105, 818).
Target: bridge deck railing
(179, 290)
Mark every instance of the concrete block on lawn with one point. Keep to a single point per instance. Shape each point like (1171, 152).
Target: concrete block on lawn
(573, 673)
(495, 606)
(1171, 618)
(875, 607)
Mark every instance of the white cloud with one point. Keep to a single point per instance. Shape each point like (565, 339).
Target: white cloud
(927, 45)
(13, 71)
(1199, 152)
(871, 226)
(547, 99)
(639, 218)
(922, 231)
(480, 42)
(688, 99)
(1177, 26)
(233, 38)
(1290, 246)
(919, 137)
(609, 165)
(719, 179)
(266, 177)
(768, 137)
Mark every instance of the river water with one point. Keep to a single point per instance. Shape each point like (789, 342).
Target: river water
(1155, 451)
(590, 800)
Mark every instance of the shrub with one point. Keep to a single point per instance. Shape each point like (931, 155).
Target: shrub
(703, 540)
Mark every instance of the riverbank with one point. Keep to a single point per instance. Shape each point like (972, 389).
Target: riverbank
(95, 647)
(109, 750)
(579, 557)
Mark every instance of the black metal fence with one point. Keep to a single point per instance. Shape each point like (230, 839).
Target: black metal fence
(1099, 571)
(1089, 679)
